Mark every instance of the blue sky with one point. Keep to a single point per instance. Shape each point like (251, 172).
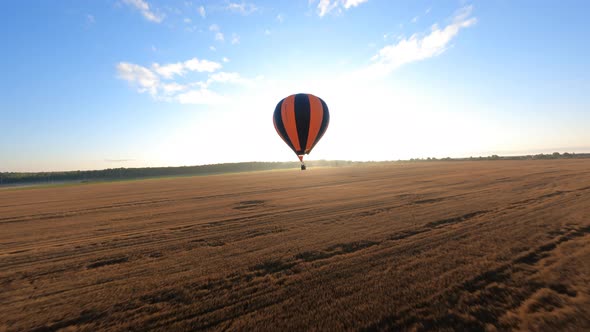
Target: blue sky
(133, 83)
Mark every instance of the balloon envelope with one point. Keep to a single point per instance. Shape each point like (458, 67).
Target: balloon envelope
(301, 120)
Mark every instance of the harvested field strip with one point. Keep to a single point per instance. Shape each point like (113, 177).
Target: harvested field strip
(470, 246)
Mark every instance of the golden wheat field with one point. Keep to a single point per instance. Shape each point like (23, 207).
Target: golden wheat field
(487, 245)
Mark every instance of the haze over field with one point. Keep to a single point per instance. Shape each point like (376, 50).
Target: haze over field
(135, 83)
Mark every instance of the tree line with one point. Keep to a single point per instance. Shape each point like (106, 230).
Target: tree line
(113, 174)
(554, 155)
(122, 173)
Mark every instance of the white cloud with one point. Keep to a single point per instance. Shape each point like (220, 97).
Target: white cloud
(212, 48)
(195, 64)
(172, 88)
(149, 80)
(187, 20)
(168, 71)
(417, 48)
(144, 9)
(235, 39)
(214, 27)
(202, 12)
(143, 78)
(219, 36)
(415, 19)
(242, 8)
(267, 32)
(353, 3)
(90, 19)
(326, 6)
(280, 18)
(166, 83)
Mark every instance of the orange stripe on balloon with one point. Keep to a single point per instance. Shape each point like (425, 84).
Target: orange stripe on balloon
(315, 120)
(288, 116)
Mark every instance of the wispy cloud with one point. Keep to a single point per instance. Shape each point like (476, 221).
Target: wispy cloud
(168, 71)
(172, 88)
(90, 19)
(195, 64)
(353, 3)
(202, 12)
(143, 78)
(280, 18)
(417, 17)
(242, 8)
(235, 38)
(218, 34)
(417, 47)
(144, 9)
(326, 6)
(161, 81)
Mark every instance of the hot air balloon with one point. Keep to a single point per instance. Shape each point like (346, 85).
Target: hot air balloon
(301, 120)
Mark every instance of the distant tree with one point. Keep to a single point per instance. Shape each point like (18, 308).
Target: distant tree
(542, 156)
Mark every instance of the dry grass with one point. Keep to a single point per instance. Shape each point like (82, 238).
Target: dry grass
(494, 245)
